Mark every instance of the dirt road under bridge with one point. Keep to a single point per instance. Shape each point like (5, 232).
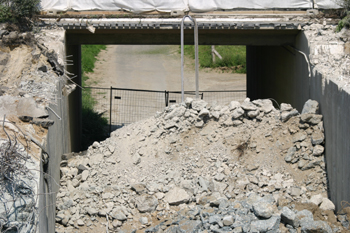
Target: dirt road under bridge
(156, 67)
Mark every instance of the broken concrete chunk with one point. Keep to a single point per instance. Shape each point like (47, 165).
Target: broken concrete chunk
(313, 119)
(318, 150)
(146, 203)
(285, 116)
(28, 107)
(198, 105)
(317, 137)
(237, 113)
(234, 105)
(310, 106)
(176, 196)
(286, 107)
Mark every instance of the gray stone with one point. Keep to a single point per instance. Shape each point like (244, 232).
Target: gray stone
(204, 112)
(289, 217)
(313, 119)
(290, 154)
(136, 159)
(265, 105)
(285, 116)
(310, 106)
(84, 175)
(188, 101)
(253, 114)
(118, 214)
(234, 105)
(318, 150)
(91, 211)
(285, 107)
(176, 196)
(237, 113)
(327, 205)
(315, 226)
(311, 164)
(305, 216)
(228, 220)
(80, 222)
(300, 136)
(237, 122)
(138, 188)
(143, 220)
(317, 137)
(215, 219)
(146, 203)
(176, 112)
(269, 226)
(198, 105)
(263, 209)
(215, 114)
(248, 106)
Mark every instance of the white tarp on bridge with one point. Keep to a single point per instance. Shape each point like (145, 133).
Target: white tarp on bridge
(192, 5)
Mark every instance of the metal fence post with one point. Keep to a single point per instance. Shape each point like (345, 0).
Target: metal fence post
(166, 98)
(110, 110)
(182, 55)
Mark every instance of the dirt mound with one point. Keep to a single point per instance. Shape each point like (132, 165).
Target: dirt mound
(238, 167)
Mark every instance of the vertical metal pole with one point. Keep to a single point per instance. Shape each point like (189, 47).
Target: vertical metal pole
(182, 55)
(196, 55)
(110, 110)
(166, 98)
(182, 59)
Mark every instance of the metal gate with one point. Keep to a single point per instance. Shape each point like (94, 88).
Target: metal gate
(124, 106)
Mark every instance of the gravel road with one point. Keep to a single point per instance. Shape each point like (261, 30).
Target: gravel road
(156, 67)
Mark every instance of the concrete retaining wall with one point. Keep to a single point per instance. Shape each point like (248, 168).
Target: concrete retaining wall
(282, 73)
(57, 143)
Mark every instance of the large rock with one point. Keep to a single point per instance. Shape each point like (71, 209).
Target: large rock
(146, 203)
(198, 105)
(28, 107)
(177, 196)
(317, 137)
(315, 226)
(263, 209)
(285, 116)
(310, 106)
(237, 113)
(313, 119)
(327, 205)
(289, 217)
(269, 226)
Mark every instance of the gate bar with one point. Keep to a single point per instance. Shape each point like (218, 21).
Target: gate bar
(110, 110)
(182, 55)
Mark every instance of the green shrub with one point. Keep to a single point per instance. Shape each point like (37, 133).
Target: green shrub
(94, 126)
(18, 11)
(345, 22)
(232, 56)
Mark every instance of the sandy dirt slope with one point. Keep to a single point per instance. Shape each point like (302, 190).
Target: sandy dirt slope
(156, 67)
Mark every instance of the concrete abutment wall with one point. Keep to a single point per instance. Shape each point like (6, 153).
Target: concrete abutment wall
(281, 73)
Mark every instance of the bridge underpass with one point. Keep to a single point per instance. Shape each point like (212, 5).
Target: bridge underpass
(262, 39)
(276, 69)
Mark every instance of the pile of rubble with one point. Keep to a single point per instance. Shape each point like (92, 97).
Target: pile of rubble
(245, 167)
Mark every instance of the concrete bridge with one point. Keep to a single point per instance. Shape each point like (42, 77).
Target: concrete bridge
(278, 64)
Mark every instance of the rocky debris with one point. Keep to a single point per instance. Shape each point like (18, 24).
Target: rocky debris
(255, 176)
(328, 52)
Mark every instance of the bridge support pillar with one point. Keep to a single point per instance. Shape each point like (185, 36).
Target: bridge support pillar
(73, 53)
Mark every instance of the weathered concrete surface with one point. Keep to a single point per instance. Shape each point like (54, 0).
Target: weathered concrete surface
(282, 73)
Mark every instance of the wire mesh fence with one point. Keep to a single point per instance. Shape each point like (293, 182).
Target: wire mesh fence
(124, 106)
